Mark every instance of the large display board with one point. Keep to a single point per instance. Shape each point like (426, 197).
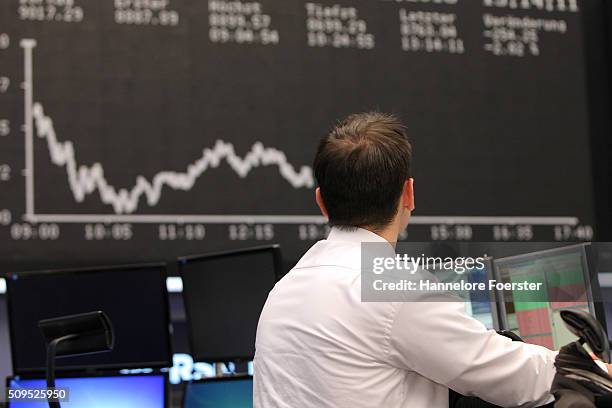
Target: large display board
(155, 128)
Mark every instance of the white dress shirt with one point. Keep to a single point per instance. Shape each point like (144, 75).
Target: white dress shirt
(319, 346)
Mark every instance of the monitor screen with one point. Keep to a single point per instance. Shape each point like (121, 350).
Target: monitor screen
(565, 284)
(224, 295)
(478, 304)
(220, 393)
(133, 297)
(127, 391)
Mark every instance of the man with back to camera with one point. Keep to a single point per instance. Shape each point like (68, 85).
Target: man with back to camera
(319, 346)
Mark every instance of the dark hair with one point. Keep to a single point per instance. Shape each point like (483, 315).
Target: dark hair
(361, 167)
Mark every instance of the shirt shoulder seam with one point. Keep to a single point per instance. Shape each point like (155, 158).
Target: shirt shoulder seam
(390, 321)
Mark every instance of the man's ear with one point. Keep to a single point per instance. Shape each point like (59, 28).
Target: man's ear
(320, 202)
(408, 195)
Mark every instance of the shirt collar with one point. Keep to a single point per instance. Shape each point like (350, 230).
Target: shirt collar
(342, 248)
(358, 235)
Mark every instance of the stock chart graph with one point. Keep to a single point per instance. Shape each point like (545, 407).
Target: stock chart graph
(153, 129)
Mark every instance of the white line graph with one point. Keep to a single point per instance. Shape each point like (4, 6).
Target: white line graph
(85, 180)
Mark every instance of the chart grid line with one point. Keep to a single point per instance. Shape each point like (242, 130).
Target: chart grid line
(28, 88)
(285, 219)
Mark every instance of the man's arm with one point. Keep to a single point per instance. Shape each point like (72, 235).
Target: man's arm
(441, 342)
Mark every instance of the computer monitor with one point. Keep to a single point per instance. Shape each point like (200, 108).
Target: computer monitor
(566, 283)
(116, 391)
(224, 294)
(134, 298)
(482, 305)
(230, 392)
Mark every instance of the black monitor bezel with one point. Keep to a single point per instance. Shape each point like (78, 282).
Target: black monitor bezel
(160, 266)
(494, 295)
(591, 281)
(598, 304)
(277, 260)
